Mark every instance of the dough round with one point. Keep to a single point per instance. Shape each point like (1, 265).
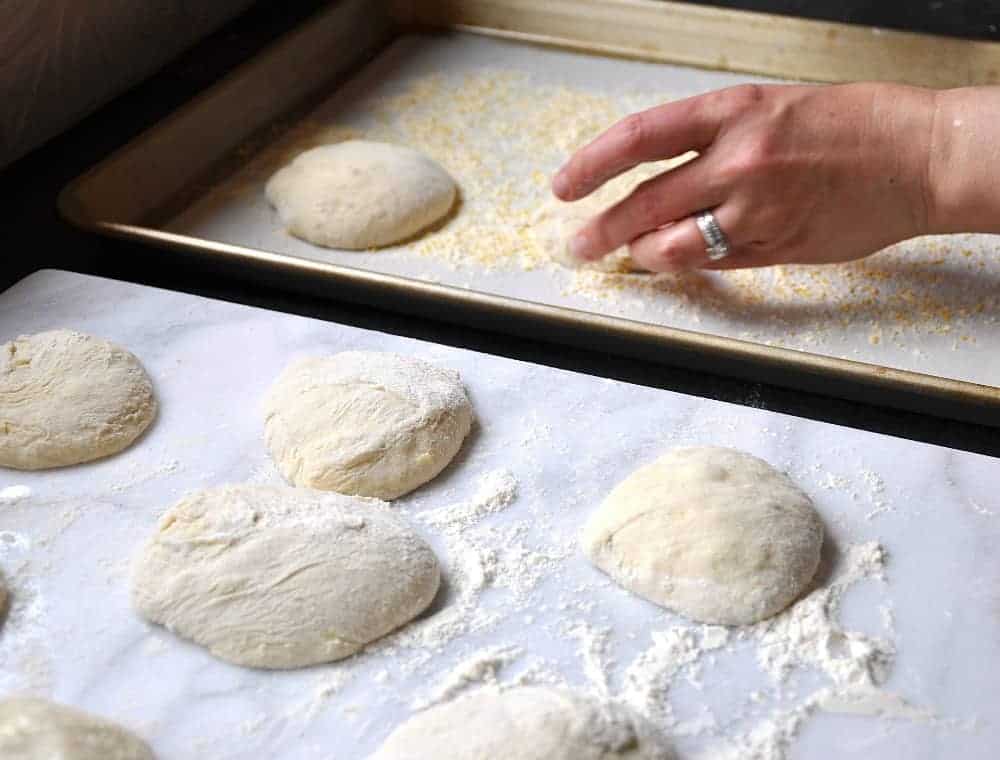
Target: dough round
(280, 577)
(524, 723)
(556, 222)
(360, 194)
(67, 398)
(34, 729)
(715, 534)
(365, 423)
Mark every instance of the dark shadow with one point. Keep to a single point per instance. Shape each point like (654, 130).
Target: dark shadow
(961, 18)
(829, 560)
(441, 600)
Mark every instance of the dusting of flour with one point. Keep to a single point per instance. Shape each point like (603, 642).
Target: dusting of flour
(480, 668)
(509, 616)
(14, 494)
(480, 556)
(496, 491)
(849, 667)
(809, 635)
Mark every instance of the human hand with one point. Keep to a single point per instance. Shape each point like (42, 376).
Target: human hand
(793, 173)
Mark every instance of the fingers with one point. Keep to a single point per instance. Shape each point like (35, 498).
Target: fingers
(661, 132)
(658, 201)
(677, 246)
(681, 245)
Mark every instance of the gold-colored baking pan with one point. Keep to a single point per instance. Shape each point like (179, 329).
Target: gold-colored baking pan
(128, 194)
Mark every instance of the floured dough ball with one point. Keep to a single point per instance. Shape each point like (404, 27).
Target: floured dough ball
(367, 423)
(715, 534)
(556, 222)
(34, 729)
(280, 577)
(525, 723)
(67, 398)
(360, 194)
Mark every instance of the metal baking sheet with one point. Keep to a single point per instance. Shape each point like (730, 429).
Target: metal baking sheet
(520, 600)
(931, 306)
(919, 319)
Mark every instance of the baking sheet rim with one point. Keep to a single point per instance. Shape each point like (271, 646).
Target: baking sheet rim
(954, 394)
(887, 378)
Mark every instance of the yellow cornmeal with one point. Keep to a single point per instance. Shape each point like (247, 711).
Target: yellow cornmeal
(502, 135)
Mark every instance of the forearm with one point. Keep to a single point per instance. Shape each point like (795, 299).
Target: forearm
(963, 168)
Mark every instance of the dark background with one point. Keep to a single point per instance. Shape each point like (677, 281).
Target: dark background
(32, 236)
(978, 19)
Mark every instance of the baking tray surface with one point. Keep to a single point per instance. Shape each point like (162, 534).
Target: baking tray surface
(907, 587)
(502, 116)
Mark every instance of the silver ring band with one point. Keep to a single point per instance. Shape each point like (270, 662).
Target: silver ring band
(716, 242)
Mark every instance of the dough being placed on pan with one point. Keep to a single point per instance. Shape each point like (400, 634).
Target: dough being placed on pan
(367, 423)
(715, 534)
(280, 577)
(556, 222)
(524, 723)
(360, 194)
(67, 398)
(35, 729)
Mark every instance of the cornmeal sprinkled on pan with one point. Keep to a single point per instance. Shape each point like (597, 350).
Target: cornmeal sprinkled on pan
(482, 125)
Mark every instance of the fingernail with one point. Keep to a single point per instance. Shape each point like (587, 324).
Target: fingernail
(579, 246)
(560, 185)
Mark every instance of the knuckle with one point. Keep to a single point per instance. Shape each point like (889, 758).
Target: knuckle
(746, 96)
(731, 102)
(761, 150)
(580, 167)
(656, 255)
(633, 133)
(596, 234)
(668, 256)
(755, 155)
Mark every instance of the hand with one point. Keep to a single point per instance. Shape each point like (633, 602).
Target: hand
(793, 173)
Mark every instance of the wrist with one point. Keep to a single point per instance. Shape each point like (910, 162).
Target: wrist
(963, 161)
(901, 144)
